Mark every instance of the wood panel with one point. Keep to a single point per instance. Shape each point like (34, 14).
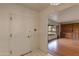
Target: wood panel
(66, 30)
(76, 30)
(70, 31)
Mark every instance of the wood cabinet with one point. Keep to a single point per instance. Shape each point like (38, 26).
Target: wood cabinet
(76, 31)
(70, 30)
(66, 30)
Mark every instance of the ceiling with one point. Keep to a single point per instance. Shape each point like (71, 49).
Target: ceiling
(59, 8)
(36, 6)
(66, 13)
(42, 6)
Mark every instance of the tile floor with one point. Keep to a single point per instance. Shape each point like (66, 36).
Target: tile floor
(37, 53)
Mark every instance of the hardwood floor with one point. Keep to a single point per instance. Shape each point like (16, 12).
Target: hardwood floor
(64, 47)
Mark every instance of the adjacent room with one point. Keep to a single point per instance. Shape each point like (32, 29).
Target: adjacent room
(66, 41)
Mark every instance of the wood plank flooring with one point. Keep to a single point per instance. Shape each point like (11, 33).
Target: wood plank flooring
(64, 47)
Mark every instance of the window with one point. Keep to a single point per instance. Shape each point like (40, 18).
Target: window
(51, 29)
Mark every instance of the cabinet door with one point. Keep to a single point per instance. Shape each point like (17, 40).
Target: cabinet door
(76, 31)
(66, 30)
(4, 32)
(19, 42)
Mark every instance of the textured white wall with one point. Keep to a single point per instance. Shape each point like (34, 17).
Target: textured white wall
(44, 16)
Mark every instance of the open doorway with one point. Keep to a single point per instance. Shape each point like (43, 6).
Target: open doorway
(53, 35)
(63, 33)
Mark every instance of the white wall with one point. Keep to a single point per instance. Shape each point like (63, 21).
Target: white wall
(44, 16)
(32, 22)
(31, 19)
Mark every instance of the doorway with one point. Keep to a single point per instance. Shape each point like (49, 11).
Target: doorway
(13, 35)
(68, 42)
(53, 35)
(19, 43)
